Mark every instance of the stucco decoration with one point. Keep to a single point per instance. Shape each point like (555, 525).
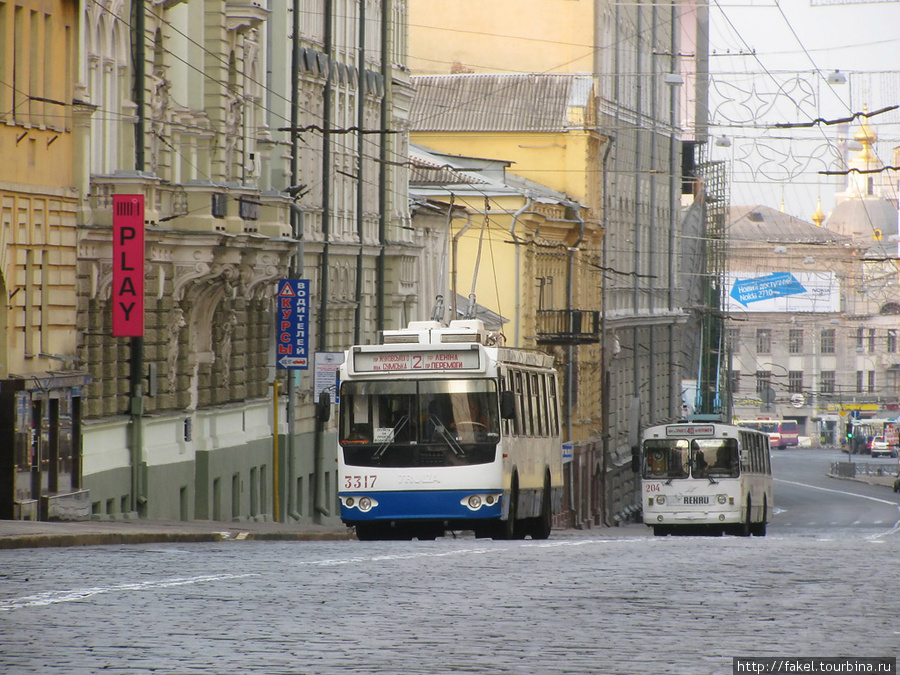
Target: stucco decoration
(173, 333)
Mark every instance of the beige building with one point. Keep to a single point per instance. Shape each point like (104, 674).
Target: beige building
(41, 377)
(820, 346)
(262, 150)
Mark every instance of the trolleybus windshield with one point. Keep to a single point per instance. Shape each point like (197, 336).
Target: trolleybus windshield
(705, 457)
(413, 423)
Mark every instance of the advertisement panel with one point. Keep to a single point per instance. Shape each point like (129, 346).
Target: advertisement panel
(128, 266)
(787, 292)
(292, 324)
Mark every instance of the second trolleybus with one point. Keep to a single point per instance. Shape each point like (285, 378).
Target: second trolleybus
(443, 428)
(706, 477)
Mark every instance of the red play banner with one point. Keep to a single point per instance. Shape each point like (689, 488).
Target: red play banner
(128, 266)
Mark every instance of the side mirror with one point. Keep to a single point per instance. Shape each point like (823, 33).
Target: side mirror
(636, 459)
(323, 407)
(507, 405)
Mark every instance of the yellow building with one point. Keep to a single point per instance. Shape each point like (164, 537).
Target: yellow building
(40, 386)
(637, 56)
(531, 236)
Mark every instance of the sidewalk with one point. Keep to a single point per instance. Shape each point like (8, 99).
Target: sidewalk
(31, 534)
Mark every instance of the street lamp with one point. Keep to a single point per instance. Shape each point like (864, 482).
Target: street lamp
(836, 77)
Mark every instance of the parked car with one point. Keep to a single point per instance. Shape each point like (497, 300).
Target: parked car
(880, 448)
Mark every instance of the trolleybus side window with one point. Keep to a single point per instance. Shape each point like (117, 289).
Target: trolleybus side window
(554, 409)
(517, 390)
(537, 409)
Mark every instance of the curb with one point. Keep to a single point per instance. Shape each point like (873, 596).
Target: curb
(118, 538)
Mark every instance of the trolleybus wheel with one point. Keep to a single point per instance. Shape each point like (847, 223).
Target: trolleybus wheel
(509, 527)
(746, 526)
(368, 532)
(759, 529)
(543, 524)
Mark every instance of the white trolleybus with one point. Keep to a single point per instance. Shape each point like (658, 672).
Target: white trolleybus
(442, 428)
(706, 477)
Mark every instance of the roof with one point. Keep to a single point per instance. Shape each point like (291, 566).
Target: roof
(491, 319)
(435, 173)
(861, 217)
(491, 102)
(765, 224)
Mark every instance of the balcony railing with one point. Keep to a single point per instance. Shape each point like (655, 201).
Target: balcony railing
(568, 326)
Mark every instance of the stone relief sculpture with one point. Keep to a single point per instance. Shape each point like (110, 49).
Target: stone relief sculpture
(159, 104)
(176, 323)
(226, 331)
(233, 118)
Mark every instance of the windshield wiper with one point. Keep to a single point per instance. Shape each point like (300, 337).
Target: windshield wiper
(396, 430)
(446, 436)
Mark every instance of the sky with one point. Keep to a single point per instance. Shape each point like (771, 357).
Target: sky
(769, 61)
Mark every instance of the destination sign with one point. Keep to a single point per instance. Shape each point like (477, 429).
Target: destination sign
(371, 362)
(690, 430)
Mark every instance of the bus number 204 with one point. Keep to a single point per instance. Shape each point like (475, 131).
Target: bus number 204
(359, 482)
(652, 487)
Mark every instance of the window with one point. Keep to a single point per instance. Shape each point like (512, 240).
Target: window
(827, 341)
(734, 378)
(827, 385)
(871, 384)
(795, 341)
(860, 338)
(763, 340)
(763, 381)
(892, 340)
(859, 381)
(734, 339)
(795, 381)
(871, 340)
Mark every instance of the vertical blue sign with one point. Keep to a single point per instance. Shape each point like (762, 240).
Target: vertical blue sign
(292, 324)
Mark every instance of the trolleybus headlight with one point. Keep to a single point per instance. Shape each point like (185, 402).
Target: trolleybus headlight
(365, 503)
(349, 502)
(660, 499)
(721, 499)
(476, 502)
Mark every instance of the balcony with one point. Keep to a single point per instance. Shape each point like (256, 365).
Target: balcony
(568, 326)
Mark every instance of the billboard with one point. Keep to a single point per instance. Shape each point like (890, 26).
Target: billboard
(128, 266)
(787, 292)
(292, 324)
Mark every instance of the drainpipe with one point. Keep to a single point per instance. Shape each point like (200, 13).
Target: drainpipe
(386, 7)
(604, 351)
(570, 298)
(321, 508)
(512, 232)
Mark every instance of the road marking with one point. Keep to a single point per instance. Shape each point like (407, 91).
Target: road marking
(874, 537)
(331, 562)
(840, 492)
(75, 594)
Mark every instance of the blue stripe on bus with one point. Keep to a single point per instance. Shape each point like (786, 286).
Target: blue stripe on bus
(421, 505)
